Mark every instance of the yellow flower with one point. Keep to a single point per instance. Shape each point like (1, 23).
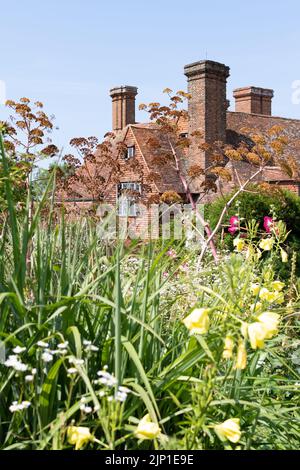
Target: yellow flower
(279, 298)
(267, 244)
(244, 329)
(259, 254)
(147, 429)
(230, 430)
(284, 256)
(257, 335)
(265, 294)
(256, 307)
(275, 297)
(239, 244)
(228, 347)
(198, 321)
(241, 359)
(79, 436)
(265, 328)
(277, 285)
(255, 288)
(270, 322)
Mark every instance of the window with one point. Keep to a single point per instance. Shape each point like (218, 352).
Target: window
(183, 135)
(130, 187)
(127, 206)
(130, 153)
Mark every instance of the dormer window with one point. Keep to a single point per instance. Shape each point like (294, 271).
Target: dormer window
(130, 152)
(183, 135)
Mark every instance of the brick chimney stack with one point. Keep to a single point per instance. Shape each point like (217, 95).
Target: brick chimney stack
(123, 106)
(207, 105)
(253, 100)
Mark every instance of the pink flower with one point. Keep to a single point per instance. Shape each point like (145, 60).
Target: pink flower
(232, 229)
(234, 220)
(185, 267)
(268, 224)
(172, 253)
(234, 224)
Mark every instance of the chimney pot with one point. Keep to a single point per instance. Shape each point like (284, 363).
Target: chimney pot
(253, 100)
(207, 105)
(123, 106)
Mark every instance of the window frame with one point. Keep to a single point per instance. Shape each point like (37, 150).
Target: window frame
(130, 152)
(128, 206)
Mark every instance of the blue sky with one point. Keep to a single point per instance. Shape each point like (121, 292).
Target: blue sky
(69, 53)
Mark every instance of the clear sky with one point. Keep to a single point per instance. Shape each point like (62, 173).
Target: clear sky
(69, 53)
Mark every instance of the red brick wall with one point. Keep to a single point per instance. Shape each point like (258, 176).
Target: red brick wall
(140, 223)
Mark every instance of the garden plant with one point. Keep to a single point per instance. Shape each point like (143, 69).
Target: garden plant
(107, 345)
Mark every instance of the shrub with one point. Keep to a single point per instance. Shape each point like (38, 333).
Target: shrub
(106, 351)
(258, 202)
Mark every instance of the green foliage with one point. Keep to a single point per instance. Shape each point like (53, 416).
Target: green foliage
(255, 204)
(61, 285)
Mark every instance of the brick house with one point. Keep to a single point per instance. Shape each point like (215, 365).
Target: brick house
(208, 112)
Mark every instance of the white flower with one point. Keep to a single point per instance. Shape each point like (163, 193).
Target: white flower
(19, 406)
(14, 407)
(63, 345)
(28, 378)
(106, 378)
(18, 350)
(72, 370)
(86, 409)
(42, 344)
(15, 363)
(26, 404)
(122, 393)
(86, 342)
(91, 347)
(121, 396)
(73, 360)
(62, 351)
(33, 371)
(47, 357)
(20, 367)
(11, 360)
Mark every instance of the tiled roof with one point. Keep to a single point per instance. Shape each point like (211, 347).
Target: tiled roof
(144, 135)
(238, 122)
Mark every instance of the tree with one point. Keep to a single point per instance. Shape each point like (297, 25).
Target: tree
(253, 154)
(93, 170)
(27, 142)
